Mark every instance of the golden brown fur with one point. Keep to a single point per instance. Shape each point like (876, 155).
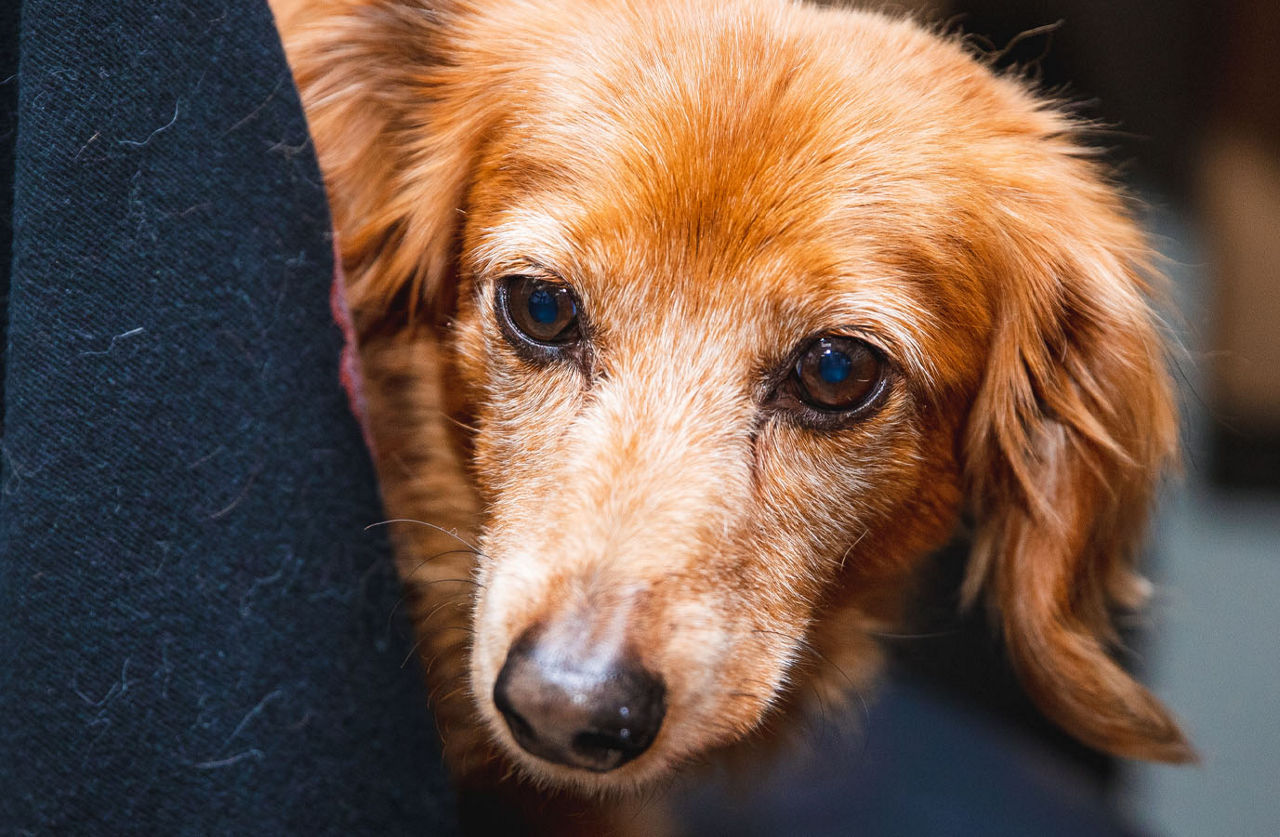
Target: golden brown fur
(718, 181)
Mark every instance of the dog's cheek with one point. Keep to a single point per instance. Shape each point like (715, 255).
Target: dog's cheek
(466, 339)
(519, 411)
(825, 491)
(862, 506)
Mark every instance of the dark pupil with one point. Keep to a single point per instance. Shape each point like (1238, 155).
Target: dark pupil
(834, 366)
(543, 307)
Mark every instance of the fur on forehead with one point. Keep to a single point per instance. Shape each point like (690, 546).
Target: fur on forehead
(862, 212)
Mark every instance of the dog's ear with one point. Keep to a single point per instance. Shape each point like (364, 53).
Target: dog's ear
(397, 120)
(1072, 429)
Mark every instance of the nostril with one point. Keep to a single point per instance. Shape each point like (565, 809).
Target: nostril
(595, 718)
(611, 745)
(626, 719)
(519, 726)
(503, 700)
(599, 744)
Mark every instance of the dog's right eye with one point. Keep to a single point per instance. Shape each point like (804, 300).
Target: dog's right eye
(538, 315)
(832, 381)
(838, 374)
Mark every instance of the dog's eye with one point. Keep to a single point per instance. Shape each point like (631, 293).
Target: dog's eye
(838, 374)
(533, 310)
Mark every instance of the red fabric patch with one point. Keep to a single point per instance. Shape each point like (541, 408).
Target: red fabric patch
(349, 371)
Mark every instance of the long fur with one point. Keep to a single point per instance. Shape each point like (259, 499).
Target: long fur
(718, 180)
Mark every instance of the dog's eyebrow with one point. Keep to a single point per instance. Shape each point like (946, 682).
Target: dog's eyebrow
(525, 240)
(890, 318)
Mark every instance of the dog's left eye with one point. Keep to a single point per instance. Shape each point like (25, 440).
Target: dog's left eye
(537, 315)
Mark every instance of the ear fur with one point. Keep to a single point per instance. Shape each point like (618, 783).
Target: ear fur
(1072, 429)
(397, 122)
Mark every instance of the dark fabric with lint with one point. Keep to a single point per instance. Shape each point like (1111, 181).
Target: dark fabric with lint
(197, 633)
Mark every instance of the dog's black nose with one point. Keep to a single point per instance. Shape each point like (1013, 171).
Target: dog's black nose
(576, 710)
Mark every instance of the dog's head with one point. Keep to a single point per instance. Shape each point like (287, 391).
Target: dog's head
(751, 304)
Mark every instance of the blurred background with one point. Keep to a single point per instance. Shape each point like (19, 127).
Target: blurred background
(1188, 94)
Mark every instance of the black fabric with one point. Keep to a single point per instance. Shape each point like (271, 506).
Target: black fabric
(8, 133)
(197, 632)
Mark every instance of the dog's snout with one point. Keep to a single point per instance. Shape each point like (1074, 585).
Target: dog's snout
(576, 710)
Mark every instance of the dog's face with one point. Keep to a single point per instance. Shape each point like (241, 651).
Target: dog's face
(751, 303)
(708, 388)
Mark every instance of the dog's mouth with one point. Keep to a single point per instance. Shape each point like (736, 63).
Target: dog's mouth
(578, 705)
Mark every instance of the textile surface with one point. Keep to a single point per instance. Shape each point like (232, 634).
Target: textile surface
(197, 633)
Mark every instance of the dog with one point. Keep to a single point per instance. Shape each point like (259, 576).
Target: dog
(689, 330)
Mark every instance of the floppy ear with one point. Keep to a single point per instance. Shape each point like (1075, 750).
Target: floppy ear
(1072, 429)
(397, 120)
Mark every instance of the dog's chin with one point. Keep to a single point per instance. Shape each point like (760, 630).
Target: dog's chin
(645, 772)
